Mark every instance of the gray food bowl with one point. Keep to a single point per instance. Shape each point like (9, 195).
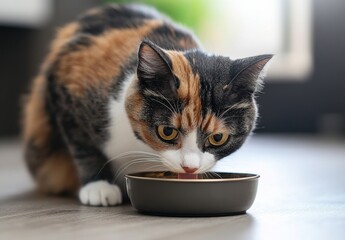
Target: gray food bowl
(223, 194)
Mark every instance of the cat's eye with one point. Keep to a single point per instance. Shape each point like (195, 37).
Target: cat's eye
(218, 139)
(167, 133)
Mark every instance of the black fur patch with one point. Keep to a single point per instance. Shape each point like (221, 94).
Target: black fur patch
(113, 16)
(169, 37)
(214, 74)
(82, 122)
(219, 91)
(78, 42)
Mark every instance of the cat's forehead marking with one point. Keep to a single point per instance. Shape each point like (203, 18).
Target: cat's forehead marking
(188, 91)
(191, 116)
(213, 124)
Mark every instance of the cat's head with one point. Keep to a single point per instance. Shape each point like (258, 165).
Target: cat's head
(193, 108)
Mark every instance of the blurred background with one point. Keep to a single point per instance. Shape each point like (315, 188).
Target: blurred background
(304, 90)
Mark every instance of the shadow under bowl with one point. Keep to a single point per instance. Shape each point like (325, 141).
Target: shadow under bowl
(162, 193)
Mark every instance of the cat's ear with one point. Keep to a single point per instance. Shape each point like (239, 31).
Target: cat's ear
(154, 71)
(247, 73)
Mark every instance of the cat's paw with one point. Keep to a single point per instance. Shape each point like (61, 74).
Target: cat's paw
(100, 193)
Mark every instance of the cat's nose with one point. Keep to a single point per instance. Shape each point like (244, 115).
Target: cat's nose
(189, 170)
(190, 161)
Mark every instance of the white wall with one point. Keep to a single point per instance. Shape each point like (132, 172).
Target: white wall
(25, 13)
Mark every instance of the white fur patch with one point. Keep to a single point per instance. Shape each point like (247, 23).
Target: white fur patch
(100, 193)
(189, 156)
(190, 153)
(122, 138)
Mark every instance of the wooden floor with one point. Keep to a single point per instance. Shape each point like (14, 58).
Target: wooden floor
(301, 196)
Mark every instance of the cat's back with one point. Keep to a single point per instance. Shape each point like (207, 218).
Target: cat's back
(102, 44)
(90, 58)
(126, 16)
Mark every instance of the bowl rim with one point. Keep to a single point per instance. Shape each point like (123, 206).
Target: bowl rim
(252, 176)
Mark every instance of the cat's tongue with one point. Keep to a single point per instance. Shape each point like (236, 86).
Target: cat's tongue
(187, 176)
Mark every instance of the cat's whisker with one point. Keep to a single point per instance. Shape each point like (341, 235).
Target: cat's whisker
(203, 175)
(168, 164)
(134, 153)
(173, 107)
(105, 164)
(171, 110)
(166, 161)
(208, 175)
(215, 174)
(231, 116)
(227, 110)
(122, 169)
(128, 154)
(133, 157)
(200, 170)
(143, 159)
(208, 166)
(150, 157)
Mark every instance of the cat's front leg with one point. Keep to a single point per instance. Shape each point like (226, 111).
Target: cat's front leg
(77, 127)
(94, 171)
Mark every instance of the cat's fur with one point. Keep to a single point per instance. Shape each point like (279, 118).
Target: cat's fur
(110, 79)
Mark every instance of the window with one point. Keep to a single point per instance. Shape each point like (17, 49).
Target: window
(245, 28)
(27, 13)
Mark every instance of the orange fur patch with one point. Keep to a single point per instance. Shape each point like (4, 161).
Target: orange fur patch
(134, 104)
(97, 65)
(188, 91)
(58, 174)
(63, 35)
(36, 122)
(213, 124)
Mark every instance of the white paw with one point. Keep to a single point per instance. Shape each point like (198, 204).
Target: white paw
(100, 193)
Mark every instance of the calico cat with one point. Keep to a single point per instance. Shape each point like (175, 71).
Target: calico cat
(125, 82)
